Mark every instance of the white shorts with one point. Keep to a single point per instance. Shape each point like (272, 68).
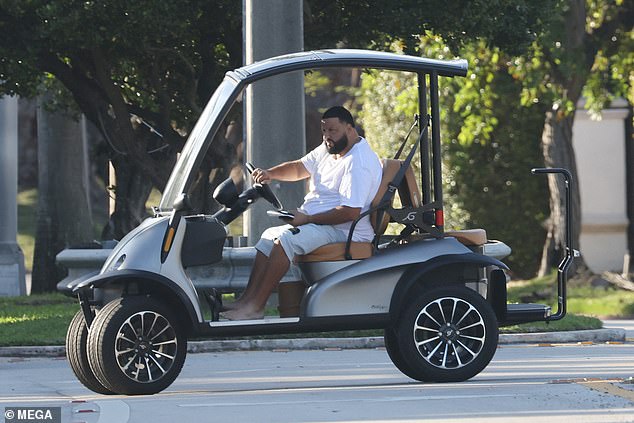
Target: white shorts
(299, 240)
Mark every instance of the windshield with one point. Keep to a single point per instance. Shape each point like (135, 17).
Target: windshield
(199, 140)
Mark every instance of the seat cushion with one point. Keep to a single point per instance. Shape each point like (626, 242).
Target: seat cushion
(469, 236)
(337, 252)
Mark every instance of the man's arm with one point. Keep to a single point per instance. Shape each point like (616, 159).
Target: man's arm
(287, 171)
(340, 214)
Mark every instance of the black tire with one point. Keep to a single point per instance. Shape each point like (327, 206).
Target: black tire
(390, 339)
(77, 354)
(447, 334)
(136, 346)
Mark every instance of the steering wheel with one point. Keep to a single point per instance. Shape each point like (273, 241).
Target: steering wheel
(265, 190)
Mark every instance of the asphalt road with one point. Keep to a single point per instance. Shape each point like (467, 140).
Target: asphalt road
(524, 383)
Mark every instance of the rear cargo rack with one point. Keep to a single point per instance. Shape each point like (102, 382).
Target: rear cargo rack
(570, 253)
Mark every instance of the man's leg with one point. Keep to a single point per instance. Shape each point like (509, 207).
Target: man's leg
(263, 250)
(259, 267)
(253, 307)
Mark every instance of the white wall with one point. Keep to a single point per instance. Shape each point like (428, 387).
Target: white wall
(600, 153)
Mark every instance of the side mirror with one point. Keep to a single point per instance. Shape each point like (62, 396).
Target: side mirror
(226, 193)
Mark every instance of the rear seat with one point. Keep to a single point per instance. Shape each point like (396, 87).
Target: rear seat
(361, 250)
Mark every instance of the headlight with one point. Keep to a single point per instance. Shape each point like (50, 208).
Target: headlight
(117, 264)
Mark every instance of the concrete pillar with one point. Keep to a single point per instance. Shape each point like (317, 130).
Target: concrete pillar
(12, 275)
(275, 107)
(601, 165)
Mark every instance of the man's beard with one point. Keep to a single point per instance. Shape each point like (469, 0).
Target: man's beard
(339, 145)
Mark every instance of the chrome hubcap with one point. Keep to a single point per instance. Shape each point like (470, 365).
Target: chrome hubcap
(146, 346)
(449, 333)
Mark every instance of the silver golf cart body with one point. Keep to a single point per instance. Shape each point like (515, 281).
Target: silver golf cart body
(155, 260)
(355, 288)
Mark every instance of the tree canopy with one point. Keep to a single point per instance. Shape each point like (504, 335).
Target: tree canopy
(160, 61)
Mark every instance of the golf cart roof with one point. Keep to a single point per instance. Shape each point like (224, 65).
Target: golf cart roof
(209, 122)
(348, 58)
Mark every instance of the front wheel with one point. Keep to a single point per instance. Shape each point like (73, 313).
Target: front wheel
(448, 334)
(77, 354)
(136, 346)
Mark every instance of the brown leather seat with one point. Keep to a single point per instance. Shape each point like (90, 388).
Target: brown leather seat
(469, 236)
(409, 195)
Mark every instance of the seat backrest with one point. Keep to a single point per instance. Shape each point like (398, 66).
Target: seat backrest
(408, 191)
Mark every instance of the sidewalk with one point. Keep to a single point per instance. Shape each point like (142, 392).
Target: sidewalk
(606, 335)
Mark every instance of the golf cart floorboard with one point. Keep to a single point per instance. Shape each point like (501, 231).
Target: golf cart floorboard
(276, 325)
(265, 321)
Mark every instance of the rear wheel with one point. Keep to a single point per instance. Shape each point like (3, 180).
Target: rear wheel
(136, 346)
(390, 340)
(77, 354)
(448, 334)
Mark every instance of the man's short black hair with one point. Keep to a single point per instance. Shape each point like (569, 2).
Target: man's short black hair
(339, 112)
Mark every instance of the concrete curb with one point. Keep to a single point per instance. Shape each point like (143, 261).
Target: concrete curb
(595, 336)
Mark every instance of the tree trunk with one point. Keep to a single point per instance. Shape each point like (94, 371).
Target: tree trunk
(133, 186)
(64, 215)
(558, 152)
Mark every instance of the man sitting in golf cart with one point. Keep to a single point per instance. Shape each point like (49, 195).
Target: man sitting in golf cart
(345, 175)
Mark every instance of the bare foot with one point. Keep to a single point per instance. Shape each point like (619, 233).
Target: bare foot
(244, 313)
(230, 306)
(238, 303)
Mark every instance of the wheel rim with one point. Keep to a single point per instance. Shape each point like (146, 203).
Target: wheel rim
(146, 347)
(449, 333)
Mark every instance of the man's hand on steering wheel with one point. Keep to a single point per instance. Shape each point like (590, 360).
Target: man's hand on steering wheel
(263, 189)
(261, 176)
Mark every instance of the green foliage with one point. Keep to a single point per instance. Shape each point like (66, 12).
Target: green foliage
(490, 144)
(582, 49)
(512, 25)
(612, 72)
(166, 57)
(159, 56)
(493, 142)
(389, 101)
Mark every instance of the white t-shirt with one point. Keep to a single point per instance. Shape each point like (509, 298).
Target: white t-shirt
(352, 180)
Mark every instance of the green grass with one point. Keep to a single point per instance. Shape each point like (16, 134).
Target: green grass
(583, 298)
(35, 320)
(570, 322)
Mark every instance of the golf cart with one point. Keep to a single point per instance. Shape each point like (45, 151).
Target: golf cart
(439, 296)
